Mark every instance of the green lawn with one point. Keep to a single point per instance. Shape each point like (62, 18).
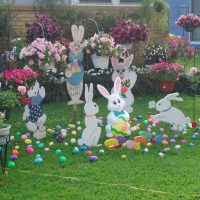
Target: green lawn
(176, 176)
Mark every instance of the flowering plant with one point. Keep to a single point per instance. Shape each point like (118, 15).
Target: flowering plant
(166, 71)
(125, 31)
(120, 52)
(154, 54)
(178, 47)
(18, 77)
(43, 53)
(100, 44)
(45, 27)
(187, 21)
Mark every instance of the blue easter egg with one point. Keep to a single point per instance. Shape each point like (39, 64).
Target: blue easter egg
(13, 157)
(190, 144)
(139, 117)
(93, 158)
(165, 150)
(55, 134)
(193, 137)
(83, 148)
(121, 139)
(158, 138)
(38, 160)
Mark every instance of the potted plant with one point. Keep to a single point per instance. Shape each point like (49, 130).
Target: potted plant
(100, 46)
(177, 47)
(41, 54)
(126, 32)
(189, 22)
(167, 74)
(4, 128)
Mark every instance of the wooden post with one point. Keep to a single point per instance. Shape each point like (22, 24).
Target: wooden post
(74, 118)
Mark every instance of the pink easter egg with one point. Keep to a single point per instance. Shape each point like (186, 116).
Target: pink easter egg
(24, 137)
(130, 144)
(29, 150)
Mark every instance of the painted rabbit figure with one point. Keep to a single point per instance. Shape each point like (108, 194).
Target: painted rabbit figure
(33, 114)
(75, 71)
(169, 114)
(128, 79)
(92, 132)
(116, 107)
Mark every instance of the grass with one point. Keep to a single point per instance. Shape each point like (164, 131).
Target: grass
(177, 173)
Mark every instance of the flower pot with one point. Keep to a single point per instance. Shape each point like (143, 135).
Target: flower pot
(128, 45)
(100, 61)
(166, 86)
(5, 134)
(189, 29)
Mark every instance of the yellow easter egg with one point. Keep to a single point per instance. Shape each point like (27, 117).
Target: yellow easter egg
(16, 147)
(27, 141)
(137, 146)
(74, 132)
(111, 142)
(121, 128)
(123, 156)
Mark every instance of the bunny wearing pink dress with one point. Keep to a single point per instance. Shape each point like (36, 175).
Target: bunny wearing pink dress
(128, 79)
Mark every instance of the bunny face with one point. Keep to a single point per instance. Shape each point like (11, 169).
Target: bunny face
(77, 34)
(91, 108)
(121, 69)
(162, 105)
(33, 91)
(115, 102)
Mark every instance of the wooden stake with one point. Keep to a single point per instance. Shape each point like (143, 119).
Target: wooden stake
(74, 118)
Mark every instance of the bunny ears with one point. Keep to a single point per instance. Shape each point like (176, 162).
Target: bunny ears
(88, 93)
(77, 33)
(127, 61)
(173, 96)
(117, 88)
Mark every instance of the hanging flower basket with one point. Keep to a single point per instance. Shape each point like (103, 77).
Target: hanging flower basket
(100, 61)
(166, 86)
(189, 29)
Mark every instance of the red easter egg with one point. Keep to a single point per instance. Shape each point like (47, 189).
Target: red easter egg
(15, 152)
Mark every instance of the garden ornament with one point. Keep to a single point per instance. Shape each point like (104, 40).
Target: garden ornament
(117, 119)
(169, 114)
(92, 132)
(33, 114)
(128, 79)
(75, 71)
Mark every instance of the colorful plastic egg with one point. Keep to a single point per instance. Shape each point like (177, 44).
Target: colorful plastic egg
(13, 157)
(83, 148)
(38, 161)
(15, 152)
(28, 141)
(57, 151)
(111, 142)
(73, 140)
(93, 158)
(29, 150)
(11, 164)
(123, 156)
(140, 139)
(88, 153)
(62, 159)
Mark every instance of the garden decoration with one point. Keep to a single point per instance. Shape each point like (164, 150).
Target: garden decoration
(189, 22)
(100, 46)
(92, 132)
(128, 79)
(33, 114)
(117, 119)
(75, 70)
(169, 114)
(167, 74)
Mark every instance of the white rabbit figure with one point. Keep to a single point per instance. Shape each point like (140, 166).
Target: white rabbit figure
(92, 132)
(75, 71)
(128, 79)
(33, 114)
(116, 106)
(170, 114)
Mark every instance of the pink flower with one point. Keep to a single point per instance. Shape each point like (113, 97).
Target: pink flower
(31, 62)
(22, 89)
(193, 70)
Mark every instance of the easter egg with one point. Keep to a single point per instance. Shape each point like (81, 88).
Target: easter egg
(121, 139)
(55, 134)
(51, 143)
(38, 161)
(145, 134)
(15, 152)
(27, 141)
(57, 151)
(130, 144)
(172, 140)
(177, 146)
(149, 145)
(165, 135)
(111, 142)
(83, 148)
(37, 142)
(164, 142)
(13, 157)
(121, 128)
(158, 138)
(196, 134)
(190, 144)
(24, 137)
(137, 146)
(29, 150)
(64, 134)
(18, 134)
(139, 117)
(38, 156)
(46, 149)
(66, 144)
(12, 137)
(183, 142)
(40, 146)
(146, 150)
(145, 122)
(93, 158)
(101, 151)
(175, 137)
(193, 137)
(165, 150)
(161, 154)
(11, 164)
(140, 139)
(58, 127)
(59, 139)
(62, 159)
(17, 147)
(75, 151)
(88, 153)
(79, 128)
(73, 140)
(74, 133)
(123, 156)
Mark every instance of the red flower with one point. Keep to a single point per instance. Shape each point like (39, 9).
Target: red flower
(28, 102)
